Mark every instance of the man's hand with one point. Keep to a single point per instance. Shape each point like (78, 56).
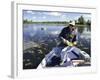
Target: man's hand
(67, 42)
(75, 43)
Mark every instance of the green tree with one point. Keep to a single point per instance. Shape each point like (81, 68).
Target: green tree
(25, 21)
(81, 20)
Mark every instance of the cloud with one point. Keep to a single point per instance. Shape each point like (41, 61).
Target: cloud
(54, 13)
(34, 17)
(64, 17)
(44, 17)
(87, 15)
(30, 12)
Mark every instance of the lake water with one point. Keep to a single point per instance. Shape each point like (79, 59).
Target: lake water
(46, 33)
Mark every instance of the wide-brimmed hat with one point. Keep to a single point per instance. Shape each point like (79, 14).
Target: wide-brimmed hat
(72, 23)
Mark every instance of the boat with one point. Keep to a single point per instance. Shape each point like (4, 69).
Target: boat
(70, 56)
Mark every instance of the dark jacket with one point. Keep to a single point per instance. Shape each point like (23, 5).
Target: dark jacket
(66, 33)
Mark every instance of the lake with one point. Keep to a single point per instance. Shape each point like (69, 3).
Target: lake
(32, 32)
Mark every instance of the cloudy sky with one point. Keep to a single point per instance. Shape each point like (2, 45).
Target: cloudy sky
(53, 16)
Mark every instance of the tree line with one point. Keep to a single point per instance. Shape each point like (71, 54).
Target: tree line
(81, 21)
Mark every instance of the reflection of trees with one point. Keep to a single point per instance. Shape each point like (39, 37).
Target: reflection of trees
(88, 23)
(81, 28)
(88, 28)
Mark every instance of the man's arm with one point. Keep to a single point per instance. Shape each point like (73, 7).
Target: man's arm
(68, 42)
(65, 38)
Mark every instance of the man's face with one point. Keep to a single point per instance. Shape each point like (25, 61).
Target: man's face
(72, 27)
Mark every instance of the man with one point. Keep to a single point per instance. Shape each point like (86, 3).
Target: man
(68, 37)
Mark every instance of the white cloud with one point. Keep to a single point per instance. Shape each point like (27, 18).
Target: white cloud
(30, 12)
(44, 17)
(34, 17)
(54, 13)
(76, 17)
(87, 15)
(64, 17)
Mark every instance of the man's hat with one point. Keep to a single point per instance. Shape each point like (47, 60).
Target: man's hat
(72, 23)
